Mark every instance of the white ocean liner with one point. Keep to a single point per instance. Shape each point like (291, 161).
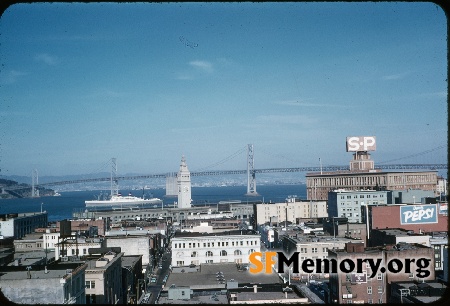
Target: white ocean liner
(123, 202)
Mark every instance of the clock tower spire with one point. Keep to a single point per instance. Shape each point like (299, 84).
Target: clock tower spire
(184, 185)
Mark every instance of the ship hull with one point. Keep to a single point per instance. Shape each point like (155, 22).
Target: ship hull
(123, 202)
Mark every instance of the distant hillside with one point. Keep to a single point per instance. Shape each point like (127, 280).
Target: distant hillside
(23, 192)
(53, 178)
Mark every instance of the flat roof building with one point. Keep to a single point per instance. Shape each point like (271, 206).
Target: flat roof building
(38, 284)
(17, 225)
(372, 285)
(197, 248)
(412, 217)
(318, 185)
(293, 211)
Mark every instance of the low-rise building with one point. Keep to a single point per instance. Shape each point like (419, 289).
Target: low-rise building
(38, 284)
(196, 248)
(347, 204)
(293, 210)
(78, 247)
(340, 227)
(17, 225)
(381, 237)
(413, 292)
(133, 245)
(372, 286)
(266, 294)
(132, 278)
(420, 218)
(439, 243)
(104, 279)
(314, 247)
(30, 242)
(88, 227)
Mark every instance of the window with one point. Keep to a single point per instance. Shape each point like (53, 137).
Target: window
(209, 254)
(369, 301)
(380, 276)
(380, 289)
(369, 289)
(314, 250)
(90, 284)
(223, 253)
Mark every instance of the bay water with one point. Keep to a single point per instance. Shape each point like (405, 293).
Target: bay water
(62, 207)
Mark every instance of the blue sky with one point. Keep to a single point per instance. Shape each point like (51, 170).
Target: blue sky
(148, 83)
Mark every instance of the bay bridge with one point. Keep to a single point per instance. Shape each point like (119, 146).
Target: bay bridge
(251, 171)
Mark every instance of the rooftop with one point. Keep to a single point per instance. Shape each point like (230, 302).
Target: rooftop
(39, 271)
(203, 297)
(209, 276)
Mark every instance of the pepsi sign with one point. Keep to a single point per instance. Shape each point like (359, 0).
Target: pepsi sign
(418, 214)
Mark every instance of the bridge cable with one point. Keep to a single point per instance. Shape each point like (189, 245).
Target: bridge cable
(235, 154)
(414, 155)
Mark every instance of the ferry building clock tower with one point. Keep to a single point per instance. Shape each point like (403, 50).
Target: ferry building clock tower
(184, 185)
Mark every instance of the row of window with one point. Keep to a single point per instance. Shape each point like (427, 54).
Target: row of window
(210, 261)
(313, 250)
(362, 196)
(182, 245)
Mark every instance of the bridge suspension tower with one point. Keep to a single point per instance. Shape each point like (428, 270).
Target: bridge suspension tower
(251, 179)
(34, 183)
(114, 180)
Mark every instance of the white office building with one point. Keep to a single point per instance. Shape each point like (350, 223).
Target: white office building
(292, 211)
(347, 204)
(199, 249)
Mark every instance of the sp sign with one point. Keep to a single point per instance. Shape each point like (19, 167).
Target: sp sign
(361, 143)
(418, 214)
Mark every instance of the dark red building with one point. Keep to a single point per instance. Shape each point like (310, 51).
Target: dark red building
(410, 217)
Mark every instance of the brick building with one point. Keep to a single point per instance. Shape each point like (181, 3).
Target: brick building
(355, 287)
(381, 217)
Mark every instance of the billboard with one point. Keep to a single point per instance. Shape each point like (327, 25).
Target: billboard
(418, 214)
(358, 278)
(361, 143)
